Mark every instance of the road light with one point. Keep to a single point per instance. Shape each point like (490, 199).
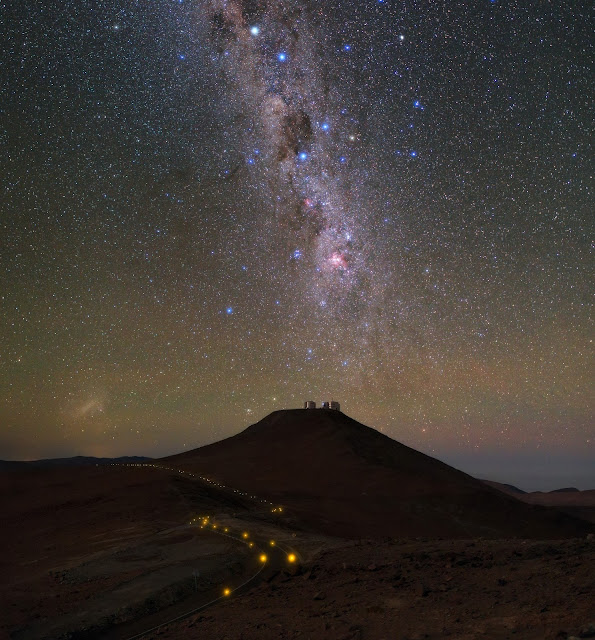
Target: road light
(291, 557)
(263, 557)
(226, 591)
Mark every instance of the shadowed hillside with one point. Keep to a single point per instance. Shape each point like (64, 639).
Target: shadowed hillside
(342, 478)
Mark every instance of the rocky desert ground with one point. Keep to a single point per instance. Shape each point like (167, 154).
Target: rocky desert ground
(414, 590)
(173, 548)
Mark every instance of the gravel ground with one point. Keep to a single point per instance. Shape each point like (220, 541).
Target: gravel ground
(412, 590)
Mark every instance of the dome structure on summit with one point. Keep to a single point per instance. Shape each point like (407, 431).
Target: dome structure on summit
(333, 404)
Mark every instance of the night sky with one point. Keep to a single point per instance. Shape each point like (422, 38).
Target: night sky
(215, 209)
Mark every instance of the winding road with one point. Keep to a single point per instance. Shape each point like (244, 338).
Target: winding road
(269, 557)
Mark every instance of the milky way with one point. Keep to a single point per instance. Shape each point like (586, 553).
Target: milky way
(213, 209)
(297, 136)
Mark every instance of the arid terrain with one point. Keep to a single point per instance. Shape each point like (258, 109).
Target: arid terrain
(363, 537)
(416, 589)
(580, 504)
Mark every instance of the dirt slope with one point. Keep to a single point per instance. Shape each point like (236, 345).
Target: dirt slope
(342, 478)
(410, 590)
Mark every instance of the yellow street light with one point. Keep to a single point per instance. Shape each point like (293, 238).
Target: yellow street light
(245, 535)
(272, 543)
(263, 557)
(291, 557)
(226, 591)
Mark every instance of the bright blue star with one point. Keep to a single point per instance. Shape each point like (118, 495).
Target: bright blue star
(229, 311)
(413, 154)
(347, 47)
(303, 156)
(282, 57)
(342, 159)
(254, 30)
(181, 56)
(297, 254)
(325, 126)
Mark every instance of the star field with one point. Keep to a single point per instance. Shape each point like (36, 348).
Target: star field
(214, 209)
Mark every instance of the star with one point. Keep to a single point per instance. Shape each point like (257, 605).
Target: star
(263, 177)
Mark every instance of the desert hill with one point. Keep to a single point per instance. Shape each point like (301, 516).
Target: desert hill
(108, 551)
(580, 504)
(342, 478)
(510, 489)
(54, 515)
(94, 545)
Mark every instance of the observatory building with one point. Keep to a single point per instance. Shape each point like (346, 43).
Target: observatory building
(333, 404)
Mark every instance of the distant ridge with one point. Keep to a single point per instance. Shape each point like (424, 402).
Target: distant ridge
(76, 461)
(565, 490)
(507, 488)
(343, 478)
(580, 504)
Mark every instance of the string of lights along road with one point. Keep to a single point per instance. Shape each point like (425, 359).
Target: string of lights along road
(206, 522)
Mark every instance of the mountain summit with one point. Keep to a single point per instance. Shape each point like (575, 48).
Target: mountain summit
(340, 477)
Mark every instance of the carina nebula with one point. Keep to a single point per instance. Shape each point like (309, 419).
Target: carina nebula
(216, 208)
